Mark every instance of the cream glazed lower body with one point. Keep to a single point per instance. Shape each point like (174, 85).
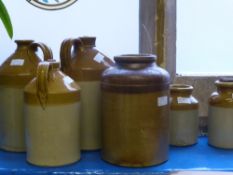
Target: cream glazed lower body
(53, 134)
(12, 119)
(220, 127)
(183, 127)
(90, 115)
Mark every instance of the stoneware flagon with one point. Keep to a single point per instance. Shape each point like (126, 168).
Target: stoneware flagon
(85, 65)
(15, 73)
(220, 119)
(183, 116)
(135, 105)
(52, 106)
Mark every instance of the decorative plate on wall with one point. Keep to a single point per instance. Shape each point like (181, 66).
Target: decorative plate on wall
(52, 4)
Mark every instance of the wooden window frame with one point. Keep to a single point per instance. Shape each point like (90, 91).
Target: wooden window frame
(157, 28)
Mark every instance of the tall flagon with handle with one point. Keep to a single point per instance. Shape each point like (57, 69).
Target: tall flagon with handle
(15, 73)
(52, 106)
(85, 65)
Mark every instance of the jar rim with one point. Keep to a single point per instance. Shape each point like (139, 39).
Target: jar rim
(135, 58)
(224, 83)
(24, 41)
(181, 87)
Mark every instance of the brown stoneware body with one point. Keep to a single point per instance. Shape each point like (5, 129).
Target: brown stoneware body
(52, 106)
(135, 107)
(220, 128)
(183, 116)
(15, 73)
(85, 65)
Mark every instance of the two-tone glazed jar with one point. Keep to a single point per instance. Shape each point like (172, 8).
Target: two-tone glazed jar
(183, 116)
(52, 106)
(135, 105)
(18, 70)
(85, 65)
(220, 127)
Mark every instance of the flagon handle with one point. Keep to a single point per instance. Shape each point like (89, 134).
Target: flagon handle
(66, 51)
(42, 83)
(47, 52)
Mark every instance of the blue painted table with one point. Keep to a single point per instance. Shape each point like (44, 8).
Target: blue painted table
(197, 157)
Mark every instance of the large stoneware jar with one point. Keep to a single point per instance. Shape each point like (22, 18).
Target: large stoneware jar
(183, 116)
(220, 128)
(15, 73)
(52, 103)
(85, 65)
(135, 105)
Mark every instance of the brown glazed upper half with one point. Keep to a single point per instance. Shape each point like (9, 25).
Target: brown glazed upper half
(51, 87)
(135, 74)
(223, 97)
(19, 74)
(185, 92)
(80, 64)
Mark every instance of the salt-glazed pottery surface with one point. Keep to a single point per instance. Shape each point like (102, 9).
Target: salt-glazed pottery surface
(135, 107)
(52, 106)
(15, 73)
(220, 128)
(183, 116)
(85, 65)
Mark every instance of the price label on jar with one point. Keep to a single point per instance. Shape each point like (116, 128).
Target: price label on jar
(162, 101)
(182, 100)
(17, 62)
(99, 58)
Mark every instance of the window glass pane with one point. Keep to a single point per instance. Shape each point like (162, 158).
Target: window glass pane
(205, 36)
(115, 23)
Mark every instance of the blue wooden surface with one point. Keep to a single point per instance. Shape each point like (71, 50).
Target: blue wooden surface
(197, 157)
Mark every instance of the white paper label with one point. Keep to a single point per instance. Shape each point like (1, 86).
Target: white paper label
(182, 100)
(162, 101)
(99, 58)
(17, 62)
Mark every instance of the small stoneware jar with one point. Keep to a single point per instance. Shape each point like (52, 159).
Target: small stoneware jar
(18, 70)
(183, 116)
(135, 107)
(220, 128)
(52, 104)
(85, 65)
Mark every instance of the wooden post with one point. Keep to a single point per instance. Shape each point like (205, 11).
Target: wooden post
(158, 31)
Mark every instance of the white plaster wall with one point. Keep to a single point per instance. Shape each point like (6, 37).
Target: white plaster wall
(114, 22)
(205, 37)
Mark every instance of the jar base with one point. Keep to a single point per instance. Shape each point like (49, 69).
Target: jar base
(183, 144)
(53, 164)
(135, 165)
(12, 149)
(220, 146)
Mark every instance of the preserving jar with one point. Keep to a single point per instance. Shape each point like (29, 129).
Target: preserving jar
(220, 119)
(135, 108)
(85, 65)
(183, 116)
(15, 72)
